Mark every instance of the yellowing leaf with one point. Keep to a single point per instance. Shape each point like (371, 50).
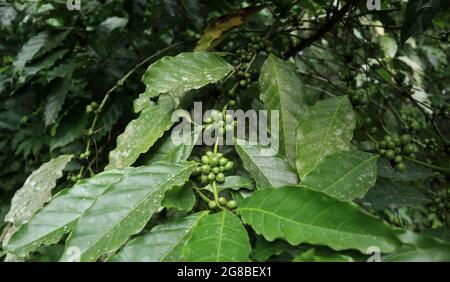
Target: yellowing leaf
(213, 32)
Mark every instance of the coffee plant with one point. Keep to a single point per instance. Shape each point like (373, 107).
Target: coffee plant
(94, 168)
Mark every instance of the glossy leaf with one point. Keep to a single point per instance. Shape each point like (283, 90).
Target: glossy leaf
(123, 210)
(419, 248)
(392, 194)
(163, 243)
(176, 75)
(344, 175)
(314, 255)
(181, 198)
(325, 128)
(171, 150)
(264, 250)
(49, 224)
(419, 14)
(218, 237)
(141, 133)
(299, 215)
(55, 101)
(412, 172)
(281, 89)
(267, 171)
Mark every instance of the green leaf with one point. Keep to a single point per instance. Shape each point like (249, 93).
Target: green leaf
(419, 248)
(163, 243)
(30, 49)
(181, 198)
(218, 237)
(344, 175)
(36, 191)
(233, 182)
(36, 46)
(391, 194)
(413, 172)
(48, 225)
(299, 215)
(141, 133)
(389, 46)
(419, 14)
(55, 101)
(170, 150)
(41, 64)
(325, 128)
(318, 255)
(264, 250)
(267, 171)
(176, 75)
(123, 210)
(72, 127)
(281, 89)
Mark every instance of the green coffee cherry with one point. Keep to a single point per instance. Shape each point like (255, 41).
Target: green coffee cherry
(408, 150)
(228, 166)
(212, 205)
(405, 139)
(203, 178)
(214, 160)
(390, 154)
(211, 176)
(400, 166)
(398, 159)
(223, 161)
(205, 159)
(223, 201)
(216, 170)
(206, 169)
(231, 204)
(220, 177)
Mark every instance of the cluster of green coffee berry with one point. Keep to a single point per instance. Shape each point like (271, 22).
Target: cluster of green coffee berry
(431, 144)
(440, 204)
(223, 202)
(396, 147)
(359, 97)
(91, 107)
(255, 45)
(222, 122)
(212, 168)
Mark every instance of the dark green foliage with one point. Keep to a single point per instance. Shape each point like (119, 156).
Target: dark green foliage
(87, 121)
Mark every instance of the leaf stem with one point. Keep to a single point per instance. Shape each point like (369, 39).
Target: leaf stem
(435, 167)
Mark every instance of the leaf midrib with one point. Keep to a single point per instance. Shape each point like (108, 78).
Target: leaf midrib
(133, 209)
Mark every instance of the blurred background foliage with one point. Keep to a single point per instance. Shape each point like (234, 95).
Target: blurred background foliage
(55, 63)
